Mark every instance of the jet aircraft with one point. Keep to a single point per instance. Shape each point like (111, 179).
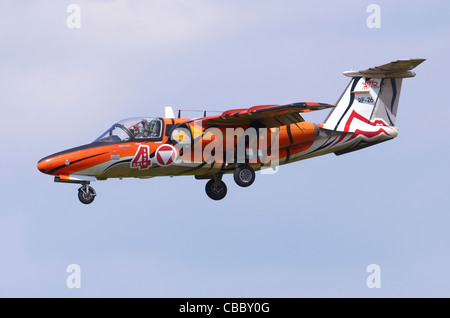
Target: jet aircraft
(237, 141)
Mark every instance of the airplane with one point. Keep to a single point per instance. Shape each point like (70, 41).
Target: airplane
(237, 141)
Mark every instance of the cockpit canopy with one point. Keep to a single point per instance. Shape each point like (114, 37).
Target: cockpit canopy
(136, 128)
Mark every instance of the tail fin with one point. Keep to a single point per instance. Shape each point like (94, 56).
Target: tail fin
(371, 98)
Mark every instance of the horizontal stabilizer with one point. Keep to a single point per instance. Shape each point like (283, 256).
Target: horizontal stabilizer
(396, 69)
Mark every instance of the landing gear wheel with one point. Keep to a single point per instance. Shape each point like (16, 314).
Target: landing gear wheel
(216, 190)
(86, 194)
(244, 175)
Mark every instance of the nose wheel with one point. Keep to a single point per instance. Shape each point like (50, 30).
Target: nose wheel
(86, 194)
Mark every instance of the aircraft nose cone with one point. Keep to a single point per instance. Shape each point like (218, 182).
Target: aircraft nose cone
(44, 165)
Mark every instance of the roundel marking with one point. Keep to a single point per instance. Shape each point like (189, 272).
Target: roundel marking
(165, 155)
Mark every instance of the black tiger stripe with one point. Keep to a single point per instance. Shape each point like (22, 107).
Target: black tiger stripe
(352, 98)
(117, 163)
(195, 168)
(327, 143)
(291, 141)
(394, 93)
(62, 166)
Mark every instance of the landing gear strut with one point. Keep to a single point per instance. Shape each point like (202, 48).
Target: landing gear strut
(215, 188)
(86, 194)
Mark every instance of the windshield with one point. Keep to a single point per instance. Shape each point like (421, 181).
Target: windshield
(133, 128)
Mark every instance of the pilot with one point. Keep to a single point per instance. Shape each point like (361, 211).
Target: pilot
(156, 127)
(134, 130)
(145, 128)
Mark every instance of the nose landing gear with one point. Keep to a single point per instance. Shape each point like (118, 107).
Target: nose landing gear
(86, 194)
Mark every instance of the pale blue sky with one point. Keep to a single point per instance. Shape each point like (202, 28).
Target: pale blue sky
(309, 230)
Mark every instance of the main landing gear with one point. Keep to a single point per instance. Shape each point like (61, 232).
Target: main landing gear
(244, 175)
(216, 189)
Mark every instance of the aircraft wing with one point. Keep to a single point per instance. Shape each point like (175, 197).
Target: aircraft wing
(265, 115)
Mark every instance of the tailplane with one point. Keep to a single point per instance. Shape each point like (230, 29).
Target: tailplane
(372, 96)
(368, 106)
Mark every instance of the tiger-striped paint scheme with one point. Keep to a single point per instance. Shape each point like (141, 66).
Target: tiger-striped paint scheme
(364, 116)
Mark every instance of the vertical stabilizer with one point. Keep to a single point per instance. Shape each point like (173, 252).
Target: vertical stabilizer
(371, 99)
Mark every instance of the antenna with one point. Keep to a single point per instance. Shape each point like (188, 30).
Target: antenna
(198, 111)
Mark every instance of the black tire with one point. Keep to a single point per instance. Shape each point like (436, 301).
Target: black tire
(86, 198)
(216, 191)
(244, 175)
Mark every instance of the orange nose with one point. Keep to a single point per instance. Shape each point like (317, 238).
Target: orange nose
(47, 165)
(43, 166)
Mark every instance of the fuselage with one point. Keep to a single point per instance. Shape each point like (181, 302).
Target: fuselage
(141, 158)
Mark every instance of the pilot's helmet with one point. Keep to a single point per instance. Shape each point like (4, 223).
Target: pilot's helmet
(134, 130)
